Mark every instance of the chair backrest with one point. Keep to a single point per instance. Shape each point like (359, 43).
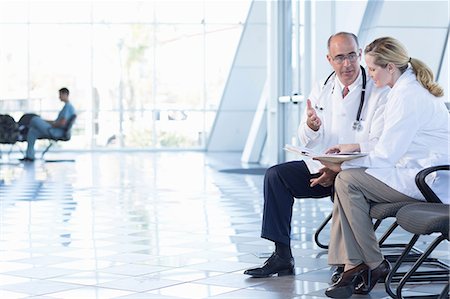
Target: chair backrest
(429, 194)
(9, 129)
(69, 125)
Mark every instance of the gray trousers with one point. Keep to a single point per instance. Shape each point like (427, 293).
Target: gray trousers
(353, 239)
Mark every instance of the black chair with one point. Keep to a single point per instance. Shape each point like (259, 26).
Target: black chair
(65, 137)
(9, 132)
(422, 219)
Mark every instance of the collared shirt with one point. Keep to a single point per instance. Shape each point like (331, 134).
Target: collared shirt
(352, 86)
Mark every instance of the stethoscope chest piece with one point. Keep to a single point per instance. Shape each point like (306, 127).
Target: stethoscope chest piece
(357, 125)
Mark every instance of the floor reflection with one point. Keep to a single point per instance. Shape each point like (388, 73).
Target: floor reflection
(147, 225)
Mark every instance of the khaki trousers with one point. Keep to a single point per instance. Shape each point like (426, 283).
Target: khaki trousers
(353, 239)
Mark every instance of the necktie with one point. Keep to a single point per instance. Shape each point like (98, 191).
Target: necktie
(345, 91)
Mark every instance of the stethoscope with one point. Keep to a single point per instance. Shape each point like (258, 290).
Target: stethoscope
(357, 123)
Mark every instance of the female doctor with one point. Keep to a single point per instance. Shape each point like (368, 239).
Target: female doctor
(415, 136)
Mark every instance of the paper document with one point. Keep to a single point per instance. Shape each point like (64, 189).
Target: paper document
(334, 158)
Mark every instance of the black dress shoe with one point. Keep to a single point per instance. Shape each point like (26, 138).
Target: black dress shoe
(337, 274)
(345, 286)
(375, 275)
(274, 265)
(26, 159)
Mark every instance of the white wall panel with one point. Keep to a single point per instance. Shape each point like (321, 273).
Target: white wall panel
(244, 85)
(243, 88)
(428, 48)
(414, 14)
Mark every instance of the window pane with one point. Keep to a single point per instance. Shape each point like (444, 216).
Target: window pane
(123, 11)
(179, 66)
(13, 11)
(60, 11)
(123, 76)
(221, 42)
(13, 63)
(141, 73)
(170, 11)
(61, 62)
(180, 128)
(233, 12)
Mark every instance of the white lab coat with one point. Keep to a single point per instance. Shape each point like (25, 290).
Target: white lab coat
(338, 114)
(416, 135)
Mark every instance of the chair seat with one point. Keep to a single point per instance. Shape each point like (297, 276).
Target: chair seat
(425, 219)
(381, 211)
(62, 138)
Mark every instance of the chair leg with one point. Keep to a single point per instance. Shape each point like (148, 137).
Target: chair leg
(417, 264)
(377, 224)
(319, 230)
(444, 293)
(325, 222)
(393, 257)
(396, 266)
(388, 233)
(51, 143)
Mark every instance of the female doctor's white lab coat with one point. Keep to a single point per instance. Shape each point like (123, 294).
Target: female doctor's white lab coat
(338, 115)
(416, 135)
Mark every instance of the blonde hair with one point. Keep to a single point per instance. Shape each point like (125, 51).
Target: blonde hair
(388, 50)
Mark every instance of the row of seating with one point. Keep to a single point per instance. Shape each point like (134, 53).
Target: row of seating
(13, 132)
(422, 218)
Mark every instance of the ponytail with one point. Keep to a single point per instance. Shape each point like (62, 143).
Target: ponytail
(389, 50)
(425, 76)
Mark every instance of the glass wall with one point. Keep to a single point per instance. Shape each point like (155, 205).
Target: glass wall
(142, 74)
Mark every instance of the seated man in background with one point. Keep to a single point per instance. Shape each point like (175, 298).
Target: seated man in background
(40, 128)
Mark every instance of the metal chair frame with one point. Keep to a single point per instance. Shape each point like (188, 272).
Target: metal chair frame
(65, 137)
(412, 275)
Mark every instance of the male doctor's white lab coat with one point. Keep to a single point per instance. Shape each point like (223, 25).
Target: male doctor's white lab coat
(338, 115)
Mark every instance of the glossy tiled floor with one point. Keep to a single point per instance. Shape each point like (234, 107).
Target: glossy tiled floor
(148, 225)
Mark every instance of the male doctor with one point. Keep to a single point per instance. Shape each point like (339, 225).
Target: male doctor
(346, 108)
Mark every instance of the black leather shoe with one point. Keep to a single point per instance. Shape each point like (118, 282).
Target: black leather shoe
(375, 275)
(26, 159)
(337, 274)
(345, 286)
(274, 265)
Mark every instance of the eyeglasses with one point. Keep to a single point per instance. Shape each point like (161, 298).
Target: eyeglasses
(352, 57)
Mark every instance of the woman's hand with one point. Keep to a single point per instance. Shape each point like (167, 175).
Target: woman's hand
(344, 148)
(336, 167)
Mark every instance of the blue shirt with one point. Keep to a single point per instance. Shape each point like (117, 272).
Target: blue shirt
(66, 113)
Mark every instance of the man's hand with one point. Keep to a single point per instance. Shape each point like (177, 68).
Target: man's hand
(59, 124)
(313, 121)
(326, 178)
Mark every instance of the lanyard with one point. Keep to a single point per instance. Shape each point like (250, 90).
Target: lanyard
(357, 122)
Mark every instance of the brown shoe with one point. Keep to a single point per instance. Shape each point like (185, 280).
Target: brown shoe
(346, 284)
(379, 273)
